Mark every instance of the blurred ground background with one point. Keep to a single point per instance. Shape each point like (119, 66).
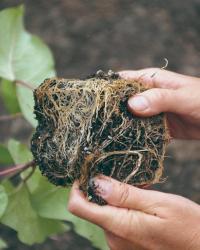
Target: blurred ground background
(86, 35)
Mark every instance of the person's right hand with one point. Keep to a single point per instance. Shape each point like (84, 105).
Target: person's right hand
(177, 95)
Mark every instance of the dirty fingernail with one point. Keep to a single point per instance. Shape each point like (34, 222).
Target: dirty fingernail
(138, 103)
(103, 187)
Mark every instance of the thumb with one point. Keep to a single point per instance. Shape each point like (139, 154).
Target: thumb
(156, 100)
(110, 218)
(126, 196)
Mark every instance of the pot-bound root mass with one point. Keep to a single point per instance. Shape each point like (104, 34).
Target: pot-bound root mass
(85, 129)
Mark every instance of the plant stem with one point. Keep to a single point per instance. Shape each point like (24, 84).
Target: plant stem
(17, 168)
(25, 84)
(10, 117)
(30, 174)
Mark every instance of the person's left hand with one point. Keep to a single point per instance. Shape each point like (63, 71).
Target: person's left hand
(140, 219)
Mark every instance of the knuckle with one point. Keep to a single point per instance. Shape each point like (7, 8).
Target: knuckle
(157, 94)
(150, 71)
(124, 194)
(132, 225)
(154, 69)
(160, 96)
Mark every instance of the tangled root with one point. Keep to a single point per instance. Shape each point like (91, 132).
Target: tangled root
(85, 129)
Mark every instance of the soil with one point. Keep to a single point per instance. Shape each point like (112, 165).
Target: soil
(101, 137)
(118, 34)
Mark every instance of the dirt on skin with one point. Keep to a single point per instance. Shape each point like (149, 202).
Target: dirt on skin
(118, 34)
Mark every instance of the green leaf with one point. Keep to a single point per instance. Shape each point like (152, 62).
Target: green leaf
(90, 231)
(19, 152)
(2, 244)
(21, 216)
(51, 202)
(3, 200)
(8, 185)
(5, 157)
(26, 102)
(20, 213)
(23, 57)
(8, 94)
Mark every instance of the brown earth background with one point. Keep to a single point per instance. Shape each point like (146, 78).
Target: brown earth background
(86, 35)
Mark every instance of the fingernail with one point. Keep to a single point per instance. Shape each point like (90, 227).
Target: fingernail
(138, 103)
(103, 187)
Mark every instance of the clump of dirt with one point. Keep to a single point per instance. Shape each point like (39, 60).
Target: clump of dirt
(85, 129)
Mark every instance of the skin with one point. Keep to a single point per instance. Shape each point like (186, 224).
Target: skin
(139, 219)
(175, 94)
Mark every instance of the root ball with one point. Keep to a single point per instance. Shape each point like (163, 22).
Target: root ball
(85, 129)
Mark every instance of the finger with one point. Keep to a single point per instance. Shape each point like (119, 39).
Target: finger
(153, 102)
(159, 78)
(80, 206)
(111, 218)
(126, 196)
(183, 101)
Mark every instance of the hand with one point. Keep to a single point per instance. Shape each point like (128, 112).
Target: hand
(176, 94)
(140, 219)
